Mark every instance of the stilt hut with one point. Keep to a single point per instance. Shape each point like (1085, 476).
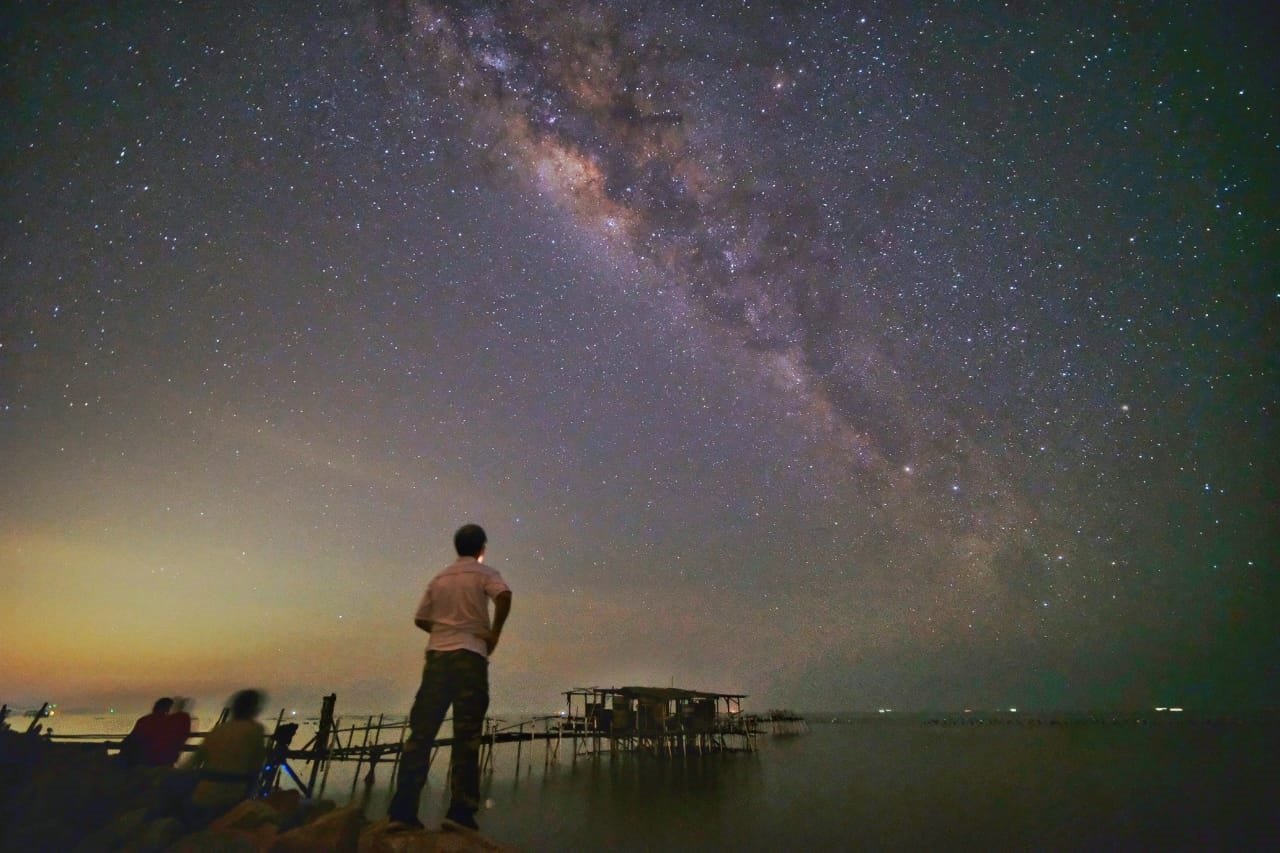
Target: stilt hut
(660, 720)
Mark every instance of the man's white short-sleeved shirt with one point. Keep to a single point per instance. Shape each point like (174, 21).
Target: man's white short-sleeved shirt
(456, 604)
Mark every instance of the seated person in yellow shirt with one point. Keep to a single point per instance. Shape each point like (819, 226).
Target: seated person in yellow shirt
(227, 762)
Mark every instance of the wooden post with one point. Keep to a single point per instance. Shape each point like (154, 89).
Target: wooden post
(364, 746)
(493, 740)
(553, 754)
(395, 767)
(519, 747)
(34, 725)
(375, 753)
(322, 738)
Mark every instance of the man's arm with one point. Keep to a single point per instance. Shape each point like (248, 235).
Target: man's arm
(501, 609)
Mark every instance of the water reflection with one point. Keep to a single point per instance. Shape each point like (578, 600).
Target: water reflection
(627, 802)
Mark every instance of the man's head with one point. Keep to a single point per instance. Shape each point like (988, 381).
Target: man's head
(246, 704)
(470, 540)
(162, 705)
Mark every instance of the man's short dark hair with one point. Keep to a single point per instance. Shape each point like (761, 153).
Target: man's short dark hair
(162, 705)
(246, 704)
(469, 541)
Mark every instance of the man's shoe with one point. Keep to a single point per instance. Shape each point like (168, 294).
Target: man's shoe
(405, 825)
(458, 819)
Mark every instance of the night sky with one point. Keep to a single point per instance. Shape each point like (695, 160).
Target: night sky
(867, 355)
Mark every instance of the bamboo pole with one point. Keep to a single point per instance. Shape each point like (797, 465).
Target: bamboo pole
(493, 739)
(322, 737)
(337, 739)
(519, 747)
(368, 723)
(395, 767)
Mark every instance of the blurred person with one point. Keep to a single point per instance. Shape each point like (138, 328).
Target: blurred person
(156, 738)
(455, 611)
(228, 761)
(177, 728)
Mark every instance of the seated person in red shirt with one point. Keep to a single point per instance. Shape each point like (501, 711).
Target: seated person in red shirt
(177, 728)
(157, 738)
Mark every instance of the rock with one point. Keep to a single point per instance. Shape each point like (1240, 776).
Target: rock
(385, 837)
(226, 841)
(381, 837)
(468, 842)
(158, 835)
(287, 804)
(338, 830)
(116, 835)
(59, 794)
(309, 810)
(73, 797)
(246, 816)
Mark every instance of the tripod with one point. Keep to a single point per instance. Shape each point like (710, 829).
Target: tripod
(277, 760)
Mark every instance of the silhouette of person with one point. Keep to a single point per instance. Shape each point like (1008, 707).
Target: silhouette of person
(228, 760)
(455, 611)
(156, 738)
(177, 728)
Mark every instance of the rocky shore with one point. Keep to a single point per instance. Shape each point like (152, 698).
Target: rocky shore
(73, 797)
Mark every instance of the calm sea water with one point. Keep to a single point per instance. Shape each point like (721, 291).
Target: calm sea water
(881, 785)
(888, 786)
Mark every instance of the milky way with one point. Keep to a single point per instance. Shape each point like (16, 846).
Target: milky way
(903, 355)
(640, 129)
(596, 115)
(601, 110)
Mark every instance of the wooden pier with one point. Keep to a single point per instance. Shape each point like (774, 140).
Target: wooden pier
(659, 721)
(780, 721)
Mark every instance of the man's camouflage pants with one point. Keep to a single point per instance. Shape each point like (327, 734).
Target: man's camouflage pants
(461, 679)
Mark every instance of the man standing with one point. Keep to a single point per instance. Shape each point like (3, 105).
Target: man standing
(455, 612)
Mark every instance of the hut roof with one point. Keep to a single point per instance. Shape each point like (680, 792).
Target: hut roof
(663, 693)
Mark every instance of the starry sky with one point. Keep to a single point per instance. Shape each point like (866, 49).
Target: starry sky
(911, 355)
